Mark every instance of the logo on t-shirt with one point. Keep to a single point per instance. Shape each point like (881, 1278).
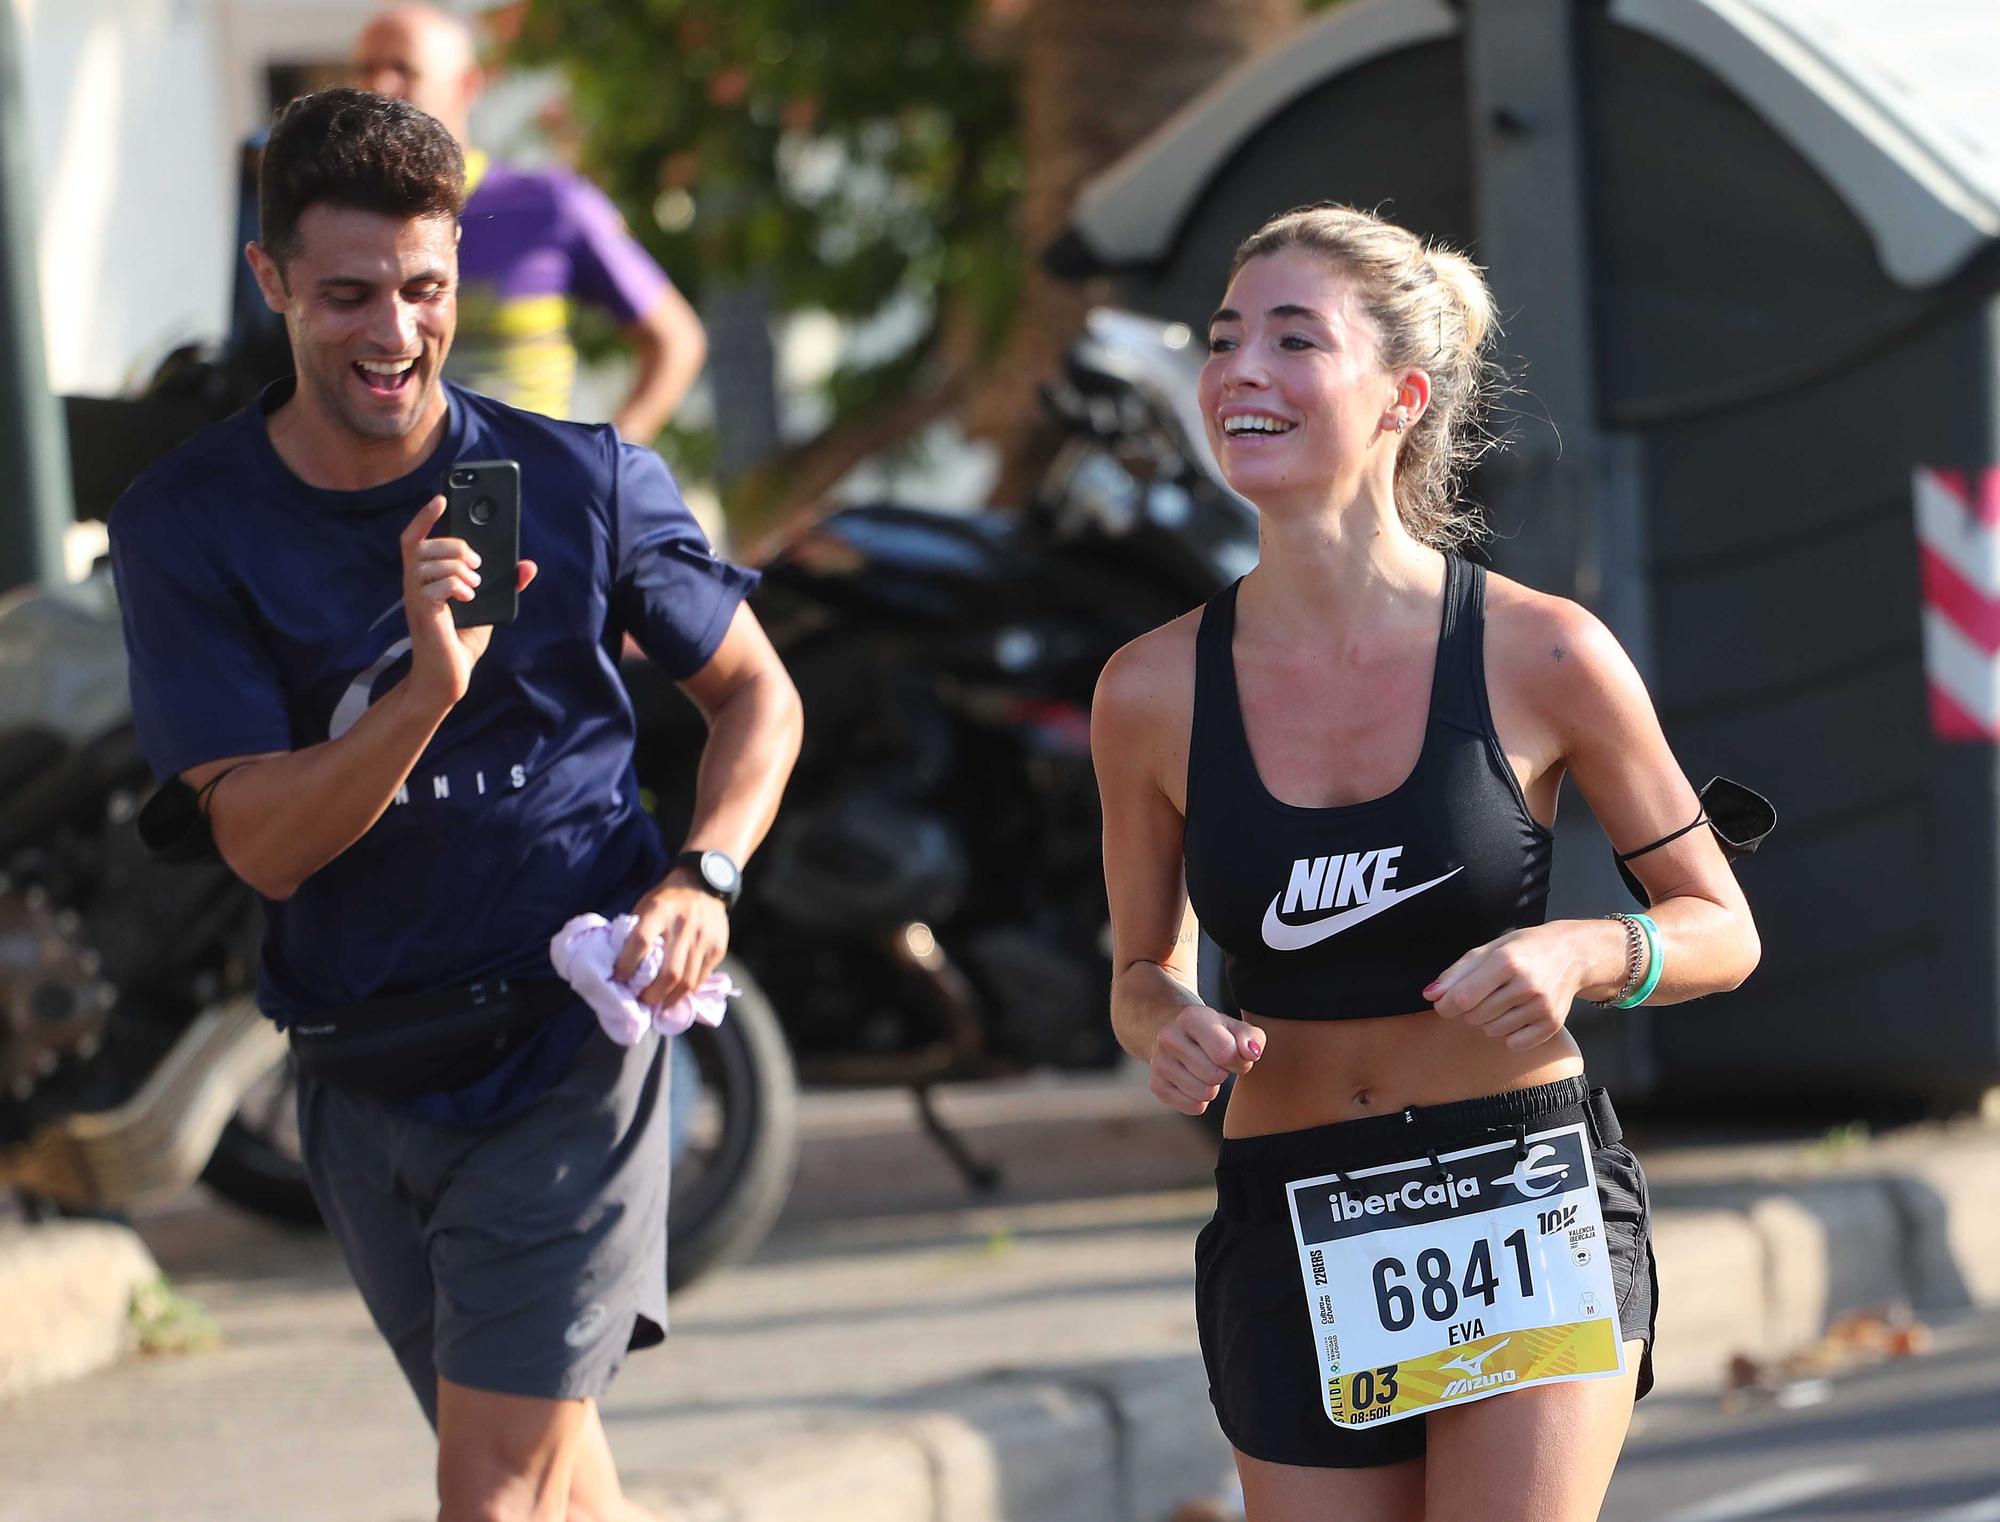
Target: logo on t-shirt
(1355, 885)
(360, 696)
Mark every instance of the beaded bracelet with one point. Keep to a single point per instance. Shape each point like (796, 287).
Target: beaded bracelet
(1635, 965)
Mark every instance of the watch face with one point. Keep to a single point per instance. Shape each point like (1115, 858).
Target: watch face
(719, 872)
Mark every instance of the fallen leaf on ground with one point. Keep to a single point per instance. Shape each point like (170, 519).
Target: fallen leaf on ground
(1852, 1339)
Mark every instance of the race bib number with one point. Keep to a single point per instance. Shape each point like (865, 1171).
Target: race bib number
(1431, 1289)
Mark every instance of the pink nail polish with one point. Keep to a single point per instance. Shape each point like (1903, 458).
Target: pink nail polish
(1254, 1048)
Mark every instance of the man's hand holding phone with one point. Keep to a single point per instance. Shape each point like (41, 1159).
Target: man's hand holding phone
(437, 573)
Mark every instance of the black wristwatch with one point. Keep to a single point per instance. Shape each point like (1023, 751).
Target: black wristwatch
(714, 873)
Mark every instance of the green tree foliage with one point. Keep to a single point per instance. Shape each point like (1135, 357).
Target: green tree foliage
(847, 153)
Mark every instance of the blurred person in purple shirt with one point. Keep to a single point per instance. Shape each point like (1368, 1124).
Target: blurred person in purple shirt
(535, 240)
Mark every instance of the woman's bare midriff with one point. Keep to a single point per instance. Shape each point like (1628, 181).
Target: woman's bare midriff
(1315, 1072)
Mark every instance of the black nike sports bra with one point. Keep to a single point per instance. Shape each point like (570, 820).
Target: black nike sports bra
(1349, 912)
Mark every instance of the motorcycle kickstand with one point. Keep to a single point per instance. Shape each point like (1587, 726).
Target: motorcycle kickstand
(980, 1177)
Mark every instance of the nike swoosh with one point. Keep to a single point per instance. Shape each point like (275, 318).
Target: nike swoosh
(1282, 937)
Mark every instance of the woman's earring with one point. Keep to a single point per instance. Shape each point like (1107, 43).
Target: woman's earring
(1401, 424)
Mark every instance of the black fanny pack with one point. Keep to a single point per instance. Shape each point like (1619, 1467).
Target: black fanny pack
(402, 1045)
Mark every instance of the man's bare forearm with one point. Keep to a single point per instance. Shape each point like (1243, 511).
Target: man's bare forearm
(662, 381)
(753, 741)
(669, 347)
(279, 820)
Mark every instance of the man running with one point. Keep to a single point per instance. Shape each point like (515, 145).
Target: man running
(423, 806)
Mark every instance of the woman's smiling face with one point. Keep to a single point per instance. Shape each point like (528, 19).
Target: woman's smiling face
(1293, 394)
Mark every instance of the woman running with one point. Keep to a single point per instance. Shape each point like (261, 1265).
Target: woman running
(1428, 1288)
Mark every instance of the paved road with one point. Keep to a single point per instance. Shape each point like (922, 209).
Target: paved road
(1911, 1441)
(885, 1288)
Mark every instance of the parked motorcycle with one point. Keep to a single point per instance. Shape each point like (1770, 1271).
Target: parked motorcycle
(127, 1032)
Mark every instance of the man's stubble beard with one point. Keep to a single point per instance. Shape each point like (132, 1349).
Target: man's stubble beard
(329, 388)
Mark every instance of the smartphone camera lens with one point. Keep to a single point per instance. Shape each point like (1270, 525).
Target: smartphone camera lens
(463, 478)
(481, 511)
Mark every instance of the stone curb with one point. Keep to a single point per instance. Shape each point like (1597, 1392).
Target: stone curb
(1762, 1265)
(1091, 1446)
(65, 1309)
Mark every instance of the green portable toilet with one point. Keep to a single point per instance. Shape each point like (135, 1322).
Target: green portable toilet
(1749, 253)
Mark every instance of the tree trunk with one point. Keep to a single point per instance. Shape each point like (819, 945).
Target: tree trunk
(1095, 80)
(792, 488)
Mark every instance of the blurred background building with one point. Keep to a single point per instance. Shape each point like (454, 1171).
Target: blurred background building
(136, 112)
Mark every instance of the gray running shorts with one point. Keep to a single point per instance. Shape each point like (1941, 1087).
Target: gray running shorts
(524, 1259)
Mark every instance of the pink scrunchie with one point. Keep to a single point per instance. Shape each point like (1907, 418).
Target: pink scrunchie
(587, 949)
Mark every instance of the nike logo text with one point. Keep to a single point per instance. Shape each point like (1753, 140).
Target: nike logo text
(1343, 883)
(1335, 882)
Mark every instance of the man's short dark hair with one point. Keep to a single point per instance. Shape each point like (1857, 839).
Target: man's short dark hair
(356, 150)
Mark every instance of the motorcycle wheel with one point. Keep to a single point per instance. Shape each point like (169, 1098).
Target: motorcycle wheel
(256, 1160)
(735, 1153)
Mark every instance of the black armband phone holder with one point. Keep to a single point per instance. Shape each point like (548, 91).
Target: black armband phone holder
(1739, 818)
(173, 823)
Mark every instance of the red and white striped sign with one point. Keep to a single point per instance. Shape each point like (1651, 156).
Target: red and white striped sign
(1958, 543)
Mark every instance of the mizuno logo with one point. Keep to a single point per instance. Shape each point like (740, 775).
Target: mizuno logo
(1356, 885)
(1474, 1364)
(1479, 1384)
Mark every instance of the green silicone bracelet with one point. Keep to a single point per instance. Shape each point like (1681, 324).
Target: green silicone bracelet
(1655, 963)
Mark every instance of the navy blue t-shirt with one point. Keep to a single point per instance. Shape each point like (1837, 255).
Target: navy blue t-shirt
(264, 614)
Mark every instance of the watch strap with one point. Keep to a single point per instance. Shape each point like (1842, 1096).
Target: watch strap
(692, 861)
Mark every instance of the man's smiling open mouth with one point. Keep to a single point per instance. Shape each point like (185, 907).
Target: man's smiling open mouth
(385, 377)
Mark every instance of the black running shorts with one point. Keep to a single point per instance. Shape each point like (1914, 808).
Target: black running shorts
(1250, 1303)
